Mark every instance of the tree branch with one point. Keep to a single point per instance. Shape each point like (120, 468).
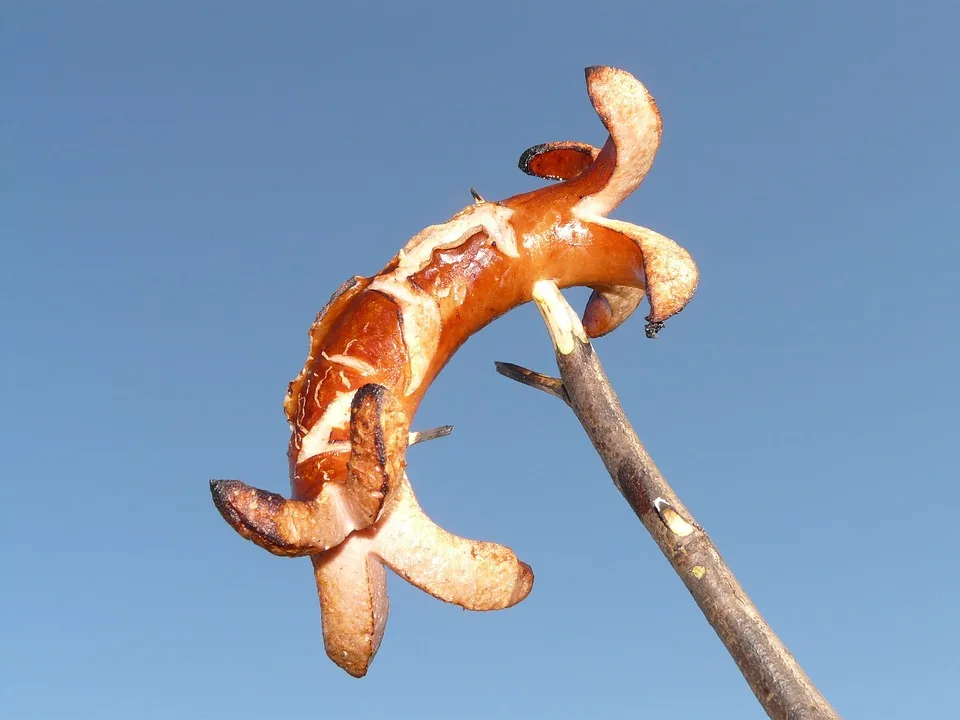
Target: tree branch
(550, 385)
(775, 677)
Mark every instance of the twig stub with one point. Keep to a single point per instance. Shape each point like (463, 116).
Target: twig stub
(550, 385)
(422, 436)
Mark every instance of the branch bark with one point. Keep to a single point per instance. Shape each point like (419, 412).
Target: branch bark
(778, 681)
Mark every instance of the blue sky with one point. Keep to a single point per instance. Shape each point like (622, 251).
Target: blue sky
(184, 185)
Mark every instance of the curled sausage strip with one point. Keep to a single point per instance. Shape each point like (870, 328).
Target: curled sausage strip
(380, 342)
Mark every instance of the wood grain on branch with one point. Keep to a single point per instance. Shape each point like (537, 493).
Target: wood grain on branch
(778, 681)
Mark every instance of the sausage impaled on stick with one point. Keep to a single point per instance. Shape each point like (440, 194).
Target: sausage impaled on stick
(380, 342)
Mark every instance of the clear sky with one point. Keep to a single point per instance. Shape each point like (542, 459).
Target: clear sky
(184, 185)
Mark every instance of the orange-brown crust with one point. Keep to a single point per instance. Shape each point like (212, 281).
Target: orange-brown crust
(380, 341)
(329, 314)
(472, 281)
(481, 285)
(368, 328)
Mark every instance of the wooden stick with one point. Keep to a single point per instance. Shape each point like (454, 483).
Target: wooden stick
(778, 681)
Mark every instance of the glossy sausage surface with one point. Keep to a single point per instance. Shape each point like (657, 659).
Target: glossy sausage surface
(380, 341)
